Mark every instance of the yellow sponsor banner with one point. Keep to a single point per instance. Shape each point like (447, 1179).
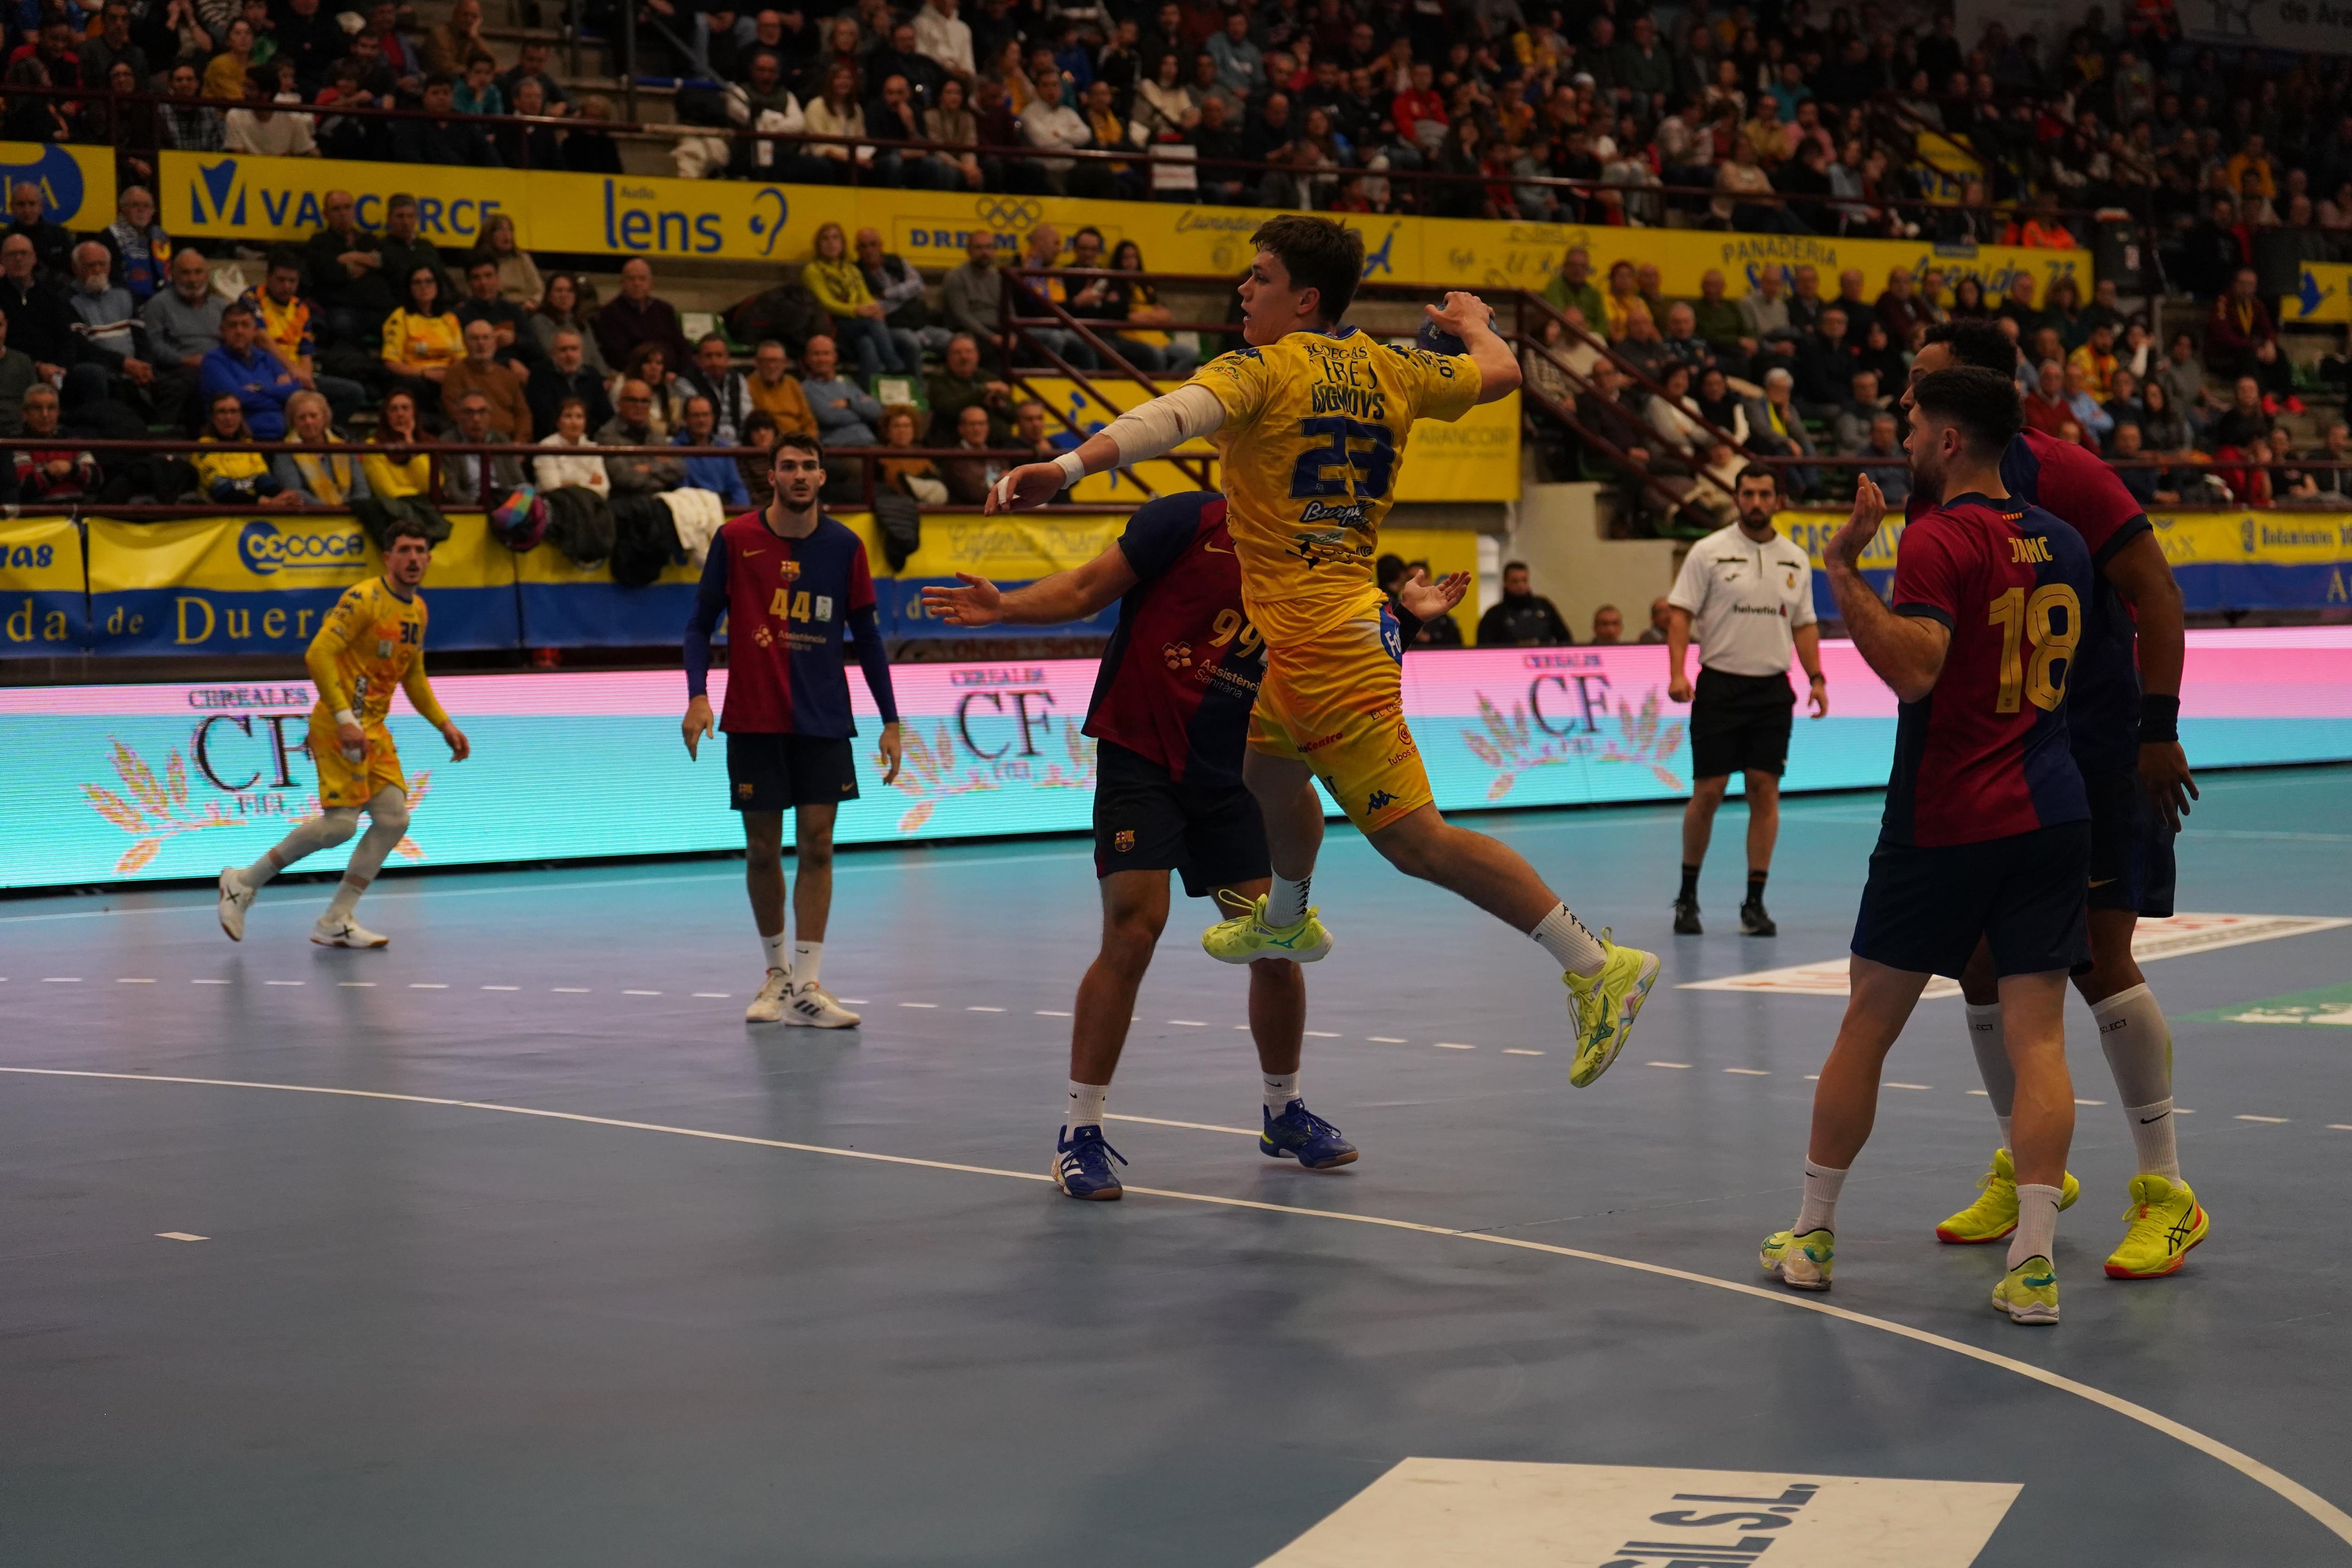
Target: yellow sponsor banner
(2323, 294)
(738, 220)
(42, 610)
(77, 183)
(1811, 531)
(2264, 539)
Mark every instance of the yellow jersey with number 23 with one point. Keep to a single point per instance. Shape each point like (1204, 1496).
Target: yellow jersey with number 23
(1314, 429)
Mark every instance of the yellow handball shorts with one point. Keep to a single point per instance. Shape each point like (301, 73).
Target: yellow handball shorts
(346, 783)
(1338, 706)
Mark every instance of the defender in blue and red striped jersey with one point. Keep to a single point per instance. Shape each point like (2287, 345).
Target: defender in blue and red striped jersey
(1987, 830)
(1170, 718)
(2123, 724)
(790, 582)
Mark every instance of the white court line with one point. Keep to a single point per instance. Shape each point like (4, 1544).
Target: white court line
(640, 992)
(1311, 1033)
(1050, 1013)
(1195, 1126)
(926, 1007)
(2326, 1514)
(1518, 1051)
(60, 979)
(282, 982)
(179, 1236)
(427, 985)
(1925, 1086)
(1188, 1023)
(984, 1009)
(1454, 1045)
(207, 982)
(2272, 1120)
(1749, 1072)
(1679, 1067)
(1386, 1040)
(569, 990)
(2340, 1127)
(502, 987)
(710, 995)
(2090, 1103)
(131, 980)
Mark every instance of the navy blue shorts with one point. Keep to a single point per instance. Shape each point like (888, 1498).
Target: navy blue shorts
(1147, 821)
(1923, 909)
(2131, 849)
(775, 773)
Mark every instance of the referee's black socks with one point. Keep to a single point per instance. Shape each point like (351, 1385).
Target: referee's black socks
(1690, 895)
(1755, 886)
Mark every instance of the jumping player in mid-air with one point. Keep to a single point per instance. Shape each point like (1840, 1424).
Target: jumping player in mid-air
(1169, 717)
(790, 580)
(1310, 421)
(1987, 833)
(2123, 722)
(370, 642)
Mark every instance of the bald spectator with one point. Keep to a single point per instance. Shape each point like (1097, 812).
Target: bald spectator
(633, 427)
(1522, 617)
(480, 375)
(1608, 625)
(636, 316)
(1655, 632)
(52, 246)
(566, 376)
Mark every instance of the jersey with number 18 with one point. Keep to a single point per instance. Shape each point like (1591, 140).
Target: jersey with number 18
(1315, 431)
(1984, 754)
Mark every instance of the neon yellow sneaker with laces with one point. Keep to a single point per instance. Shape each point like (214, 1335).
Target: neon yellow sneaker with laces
(1246, 937)
(2167, 1220)
(1605, 1005)
(1803, 1262)
(2029, 1292)
(1994, 1214)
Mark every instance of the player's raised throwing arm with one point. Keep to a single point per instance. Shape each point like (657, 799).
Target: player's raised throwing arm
(1908, 651)
(1153, 430)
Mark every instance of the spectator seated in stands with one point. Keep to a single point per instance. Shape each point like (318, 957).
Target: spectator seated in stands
(845, 414)
(832, 111)
(968, 478)
(470, 479)
(1107, 304)
(182, 326)
(184, 124)
(345, 265)
(423, 339)
(1777, 429)
(1717, 322)
(2046, 408)
(568, 379)
(1826, 361)
(1719, 405)
(441, 142)
(478, 89)
(2147, 485)
(1029, 431)
(1049, 125)
(288, 323)
(107, 319)
(501, 388)
(2096, 421)
(2095, 358)
(895, 116)
(650, 364)
(1673, 418)
(835, 277)
(1683, 345)
(574, 460)
(518, 344)
(960, 383)
(567, 306)
(1855, 415)
(519, 282)
(589, 151)
(1607, 626)
(918, 478)
(1890, 465)
(140, 249)
(241, 367)
(235, 479)
(712, 375)
(52, 245)
(259, 127)
(716, 474)
(392, 474)
(899, 289)
(776, 392)
(48, 471)
(1522, 617)
(970, 296)
(18, 375)
(320, 479)
(2240, 338)
(755, 460)
(632, 427)
(636, 316)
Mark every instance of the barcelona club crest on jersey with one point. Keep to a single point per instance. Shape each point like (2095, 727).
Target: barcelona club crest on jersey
(1123, 840)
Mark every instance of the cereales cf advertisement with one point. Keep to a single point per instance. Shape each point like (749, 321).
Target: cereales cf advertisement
(106, 784)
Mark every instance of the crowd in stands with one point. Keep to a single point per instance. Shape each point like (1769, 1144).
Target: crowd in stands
(1681, 388)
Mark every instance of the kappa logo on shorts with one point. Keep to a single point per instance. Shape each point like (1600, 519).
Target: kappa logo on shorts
(1123, 840)
(1381, 798)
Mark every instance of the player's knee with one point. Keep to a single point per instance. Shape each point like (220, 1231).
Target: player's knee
(813, 855)
(336, 827)
(1709, 791)
(1129, 937)
(390, 819)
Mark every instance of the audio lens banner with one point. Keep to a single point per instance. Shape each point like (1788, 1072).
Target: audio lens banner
(137, 783)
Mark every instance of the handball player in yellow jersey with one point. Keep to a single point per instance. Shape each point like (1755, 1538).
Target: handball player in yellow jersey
(1310, 421)
(373, 640)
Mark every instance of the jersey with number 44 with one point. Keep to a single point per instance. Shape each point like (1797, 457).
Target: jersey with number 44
(1314, 433)
(1984, 754)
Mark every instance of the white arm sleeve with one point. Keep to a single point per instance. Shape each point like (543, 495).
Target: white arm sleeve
(1156, 428)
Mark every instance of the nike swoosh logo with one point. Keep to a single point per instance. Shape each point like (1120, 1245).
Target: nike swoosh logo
(2146, 1120)
(755, 554)
(1214, 551)
(2103, 881)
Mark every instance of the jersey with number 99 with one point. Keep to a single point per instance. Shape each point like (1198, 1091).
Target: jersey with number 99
(1314, 430)
(1984, 754)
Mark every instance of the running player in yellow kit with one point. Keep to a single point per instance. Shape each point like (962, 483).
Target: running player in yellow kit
(373, 640)
(1310, 421)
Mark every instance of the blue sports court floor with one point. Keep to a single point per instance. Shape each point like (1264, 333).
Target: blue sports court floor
(567, 1265)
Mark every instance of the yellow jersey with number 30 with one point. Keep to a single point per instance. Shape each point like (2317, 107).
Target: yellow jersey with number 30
(1314, 430)
(372, 641)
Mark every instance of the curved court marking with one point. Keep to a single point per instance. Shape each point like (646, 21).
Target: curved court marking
(2334, 1520)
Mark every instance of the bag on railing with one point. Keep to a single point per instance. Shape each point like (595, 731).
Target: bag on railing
(579, 524)
(645, 539)
(900, 520)
(375, 513)
(520, 521)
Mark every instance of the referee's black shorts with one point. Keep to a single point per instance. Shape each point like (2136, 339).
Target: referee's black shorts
(1740, 724)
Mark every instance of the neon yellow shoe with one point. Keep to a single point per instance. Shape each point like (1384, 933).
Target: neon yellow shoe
(1246, 937)
(1604, 1006)
(1803, 1262)
(1994, 1214)
(2029, 1292)
(2167, 1220)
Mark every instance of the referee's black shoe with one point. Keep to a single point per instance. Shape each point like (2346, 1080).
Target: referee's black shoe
(1754, 921)
(1686, 918)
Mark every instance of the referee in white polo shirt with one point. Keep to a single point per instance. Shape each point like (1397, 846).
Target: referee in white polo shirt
(1749, 593)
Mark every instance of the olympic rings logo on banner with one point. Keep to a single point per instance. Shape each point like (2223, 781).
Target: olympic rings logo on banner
(998, 213)
(264, 548)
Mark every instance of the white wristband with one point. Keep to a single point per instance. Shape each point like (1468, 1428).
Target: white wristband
(345, 716)
(1072, 469)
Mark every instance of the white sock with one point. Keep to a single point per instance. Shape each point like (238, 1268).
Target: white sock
(2037, 1224)
(2155, 1140)
(324, 831)
(1992, 1048)
(2006, 1135)
(387, 825)
(1286, 904)
(347, 897)
(807, 958)
(1281, 1088)
(1086, 1107)
(1818, 1211)
(772, 947)
(2133, 1034)
(1572, 946)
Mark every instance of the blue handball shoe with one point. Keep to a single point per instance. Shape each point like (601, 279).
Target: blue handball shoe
(1299, 1134)
(1082, 1164)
